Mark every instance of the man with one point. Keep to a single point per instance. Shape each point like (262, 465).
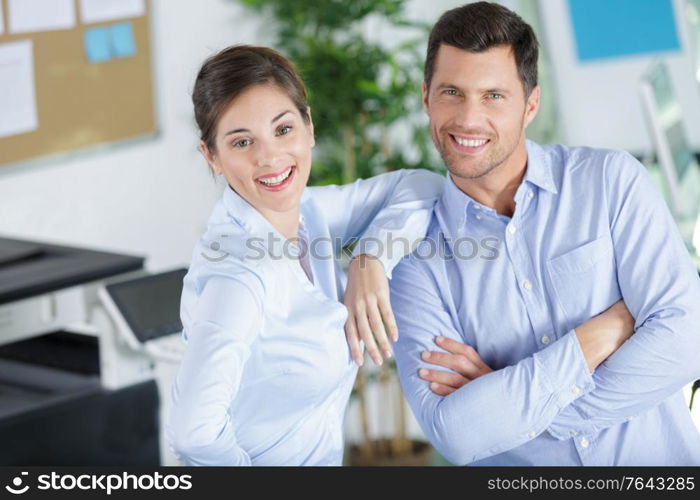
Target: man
(573, 230)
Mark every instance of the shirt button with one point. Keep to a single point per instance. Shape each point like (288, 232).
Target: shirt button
(511, 229)
(531, 434)
(573, 433)
(584, 443)
(477, 217)
(576, 390)
(631, 417)
(527, 285)
(530, 194)
(545, 340)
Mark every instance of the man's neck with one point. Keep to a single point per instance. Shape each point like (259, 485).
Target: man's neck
(497, 188)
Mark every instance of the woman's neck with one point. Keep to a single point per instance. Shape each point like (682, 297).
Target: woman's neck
(286, 223)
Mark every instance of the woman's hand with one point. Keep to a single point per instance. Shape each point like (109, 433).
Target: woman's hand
(369, 311)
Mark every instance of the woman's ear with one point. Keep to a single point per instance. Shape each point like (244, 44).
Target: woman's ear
(209, 157)
(311, 126)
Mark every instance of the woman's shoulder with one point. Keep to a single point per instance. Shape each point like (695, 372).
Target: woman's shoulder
(227, 250)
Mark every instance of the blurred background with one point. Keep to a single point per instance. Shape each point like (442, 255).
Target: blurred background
(103, 192)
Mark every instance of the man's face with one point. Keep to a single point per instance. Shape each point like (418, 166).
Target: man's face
(477, 109)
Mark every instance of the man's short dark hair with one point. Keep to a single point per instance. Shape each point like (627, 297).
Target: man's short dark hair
(480, 26)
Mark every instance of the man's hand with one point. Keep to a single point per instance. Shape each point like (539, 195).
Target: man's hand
(602, 335)
(461, 358)
(369, 310)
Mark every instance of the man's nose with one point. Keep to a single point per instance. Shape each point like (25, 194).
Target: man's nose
(469, 114)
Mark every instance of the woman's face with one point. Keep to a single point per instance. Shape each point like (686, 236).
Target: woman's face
(263, 149)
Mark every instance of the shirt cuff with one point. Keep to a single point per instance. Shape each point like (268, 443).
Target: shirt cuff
(373, 246)
(570, 423)
(565, 366)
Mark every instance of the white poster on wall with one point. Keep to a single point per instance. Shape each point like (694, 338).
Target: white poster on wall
(17, 93)
(2, 21)
(97, 11)
(26, 16)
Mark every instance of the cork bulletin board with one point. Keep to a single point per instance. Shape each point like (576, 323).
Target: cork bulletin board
(92, 81)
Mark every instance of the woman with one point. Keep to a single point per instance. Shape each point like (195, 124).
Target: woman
(267, 372)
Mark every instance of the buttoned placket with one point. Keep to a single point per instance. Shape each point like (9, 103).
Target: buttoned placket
(530, 288)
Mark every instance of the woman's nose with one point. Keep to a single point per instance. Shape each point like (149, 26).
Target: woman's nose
(267, 154)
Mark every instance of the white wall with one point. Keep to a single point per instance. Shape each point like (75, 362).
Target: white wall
(151, 198)
(599, 103)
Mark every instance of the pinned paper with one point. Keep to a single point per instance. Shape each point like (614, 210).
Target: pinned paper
(123, 44)
(98, 11)
(98, 45)
(17, 94)
(26, 16)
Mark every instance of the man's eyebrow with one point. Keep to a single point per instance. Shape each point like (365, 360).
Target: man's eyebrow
(446, 86)
(486, 90)
(236, 131)
(495, 90)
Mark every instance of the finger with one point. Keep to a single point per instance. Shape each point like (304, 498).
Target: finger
(366, 335)
(388, 317)
(454, 380)
(457, 347)
(456, 362)
(441, 390)
(375, 322)
(353, 340)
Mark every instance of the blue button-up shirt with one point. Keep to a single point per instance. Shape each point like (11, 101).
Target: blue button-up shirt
(267, 373)
(589, 228)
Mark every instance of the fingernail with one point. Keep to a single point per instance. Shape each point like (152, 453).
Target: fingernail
(388, 353)
(425, 355)
(433, 385)
(379, 361)
(439, 339)
(423, 372)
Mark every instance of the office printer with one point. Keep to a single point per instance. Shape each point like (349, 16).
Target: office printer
(75, 388)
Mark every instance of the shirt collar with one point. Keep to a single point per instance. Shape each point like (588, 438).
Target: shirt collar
(454, 203)
(540, 170)
(254, 223)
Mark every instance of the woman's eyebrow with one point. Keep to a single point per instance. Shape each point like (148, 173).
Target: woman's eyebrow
(236, 131)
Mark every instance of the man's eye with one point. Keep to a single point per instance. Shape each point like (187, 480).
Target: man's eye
(242, 143)
(495, 96)
(450, 91)
(284, 130)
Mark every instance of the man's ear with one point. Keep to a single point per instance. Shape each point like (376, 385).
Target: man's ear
(424, 91)
(209, 157)
(532, 106)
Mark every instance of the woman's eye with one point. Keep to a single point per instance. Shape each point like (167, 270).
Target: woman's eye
(242, 143)
(284, 130)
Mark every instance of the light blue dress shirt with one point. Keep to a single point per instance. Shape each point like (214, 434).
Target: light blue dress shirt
(589, 228)
(267, 373)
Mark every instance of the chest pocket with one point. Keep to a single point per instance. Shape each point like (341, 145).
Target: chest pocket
(585, 280)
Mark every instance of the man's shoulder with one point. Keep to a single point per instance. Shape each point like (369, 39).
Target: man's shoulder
(585, 164)
(426, 258)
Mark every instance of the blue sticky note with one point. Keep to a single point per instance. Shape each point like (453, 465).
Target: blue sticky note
(97, 46)
(123, 44)
(615, 28)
